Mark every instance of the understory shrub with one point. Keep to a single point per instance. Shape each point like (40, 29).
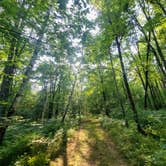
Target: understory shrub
(139, 149)
(33, 145)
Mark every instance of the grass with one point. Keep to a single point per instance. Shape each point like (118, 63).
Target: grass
(89, 146)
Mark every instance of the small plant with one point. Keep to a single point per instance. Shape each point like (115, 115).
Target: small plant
(137, 148)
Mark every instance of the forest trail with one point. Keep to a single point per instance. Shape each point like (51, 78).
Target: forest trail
(90, 146)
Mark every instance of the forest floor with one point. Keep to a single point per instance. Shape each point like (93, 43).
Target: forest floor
(90, 145)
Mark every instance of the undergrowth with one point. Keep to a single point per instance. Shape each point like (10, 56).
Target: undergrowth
(29, 143)
(138, 149)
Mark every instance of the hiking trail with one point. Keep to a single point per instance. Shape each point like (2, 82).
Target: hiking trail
(90, 145)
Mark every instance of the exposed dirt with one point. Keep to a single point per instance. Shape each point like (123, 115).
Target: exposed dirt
(90, 146)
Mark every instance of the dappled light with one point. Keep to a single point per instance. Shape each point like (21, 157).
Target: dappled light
(82, 83)
(89, 146)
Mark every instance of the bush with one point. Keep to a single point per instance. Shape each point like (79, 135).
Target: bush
(28, 137)
(50, 127)
(138, 149)
(39, 159)
(30, 143)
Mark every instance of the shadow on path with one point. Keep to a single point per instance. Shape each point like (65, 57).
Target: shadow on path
(61, 154)
(90, 146)
(103, 152)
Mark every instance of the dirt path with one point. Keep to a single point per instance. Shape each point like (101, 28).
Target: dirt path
(90, 146)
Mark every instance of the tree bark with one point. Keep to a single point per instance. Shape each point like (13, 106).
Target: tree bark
(69, 100)
(151, 47)
(130, 97)
(118, 93)
(147, 74)
(27, 73)
(148, 18)
(161, 6)
(105, 106)
(10, 67)
(29, 68)
(155, 105)
(45, 102)
(53, 90)
(7, 81)
(2, 132)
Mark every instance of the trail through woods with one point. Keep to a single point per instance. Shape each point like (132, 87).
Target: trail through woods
(90, 146)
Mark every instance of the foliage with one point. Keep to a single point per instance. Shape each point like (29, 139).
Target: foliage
(35, 143)
(63, 59)
(139, 149)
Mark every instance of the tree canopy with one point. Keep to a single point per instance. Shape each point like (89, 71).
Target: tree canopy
(61, 60)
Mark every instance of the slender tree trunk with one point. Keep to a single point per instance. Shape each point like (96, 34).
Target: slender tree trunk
(118, 94)
(142, 5)
(45, 103)
(58, 91)
(139, 72)
(135, 114)
(151, 47)
(153, 95)
(69, 100)
(161, 6)
(158, 61)
(159, 49)
(51, 101)
(53, 92)
(5, 90)
(151, 92)
(27, 74)
(159, 94)
(147, 75)
(105, 106)
(57, 104)
(10, 67)
(29, 68)
(7, 81)
(2, 132)
(9, 71)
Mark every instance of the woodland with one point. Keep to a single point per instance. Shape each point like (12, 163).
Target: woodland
(83, 82)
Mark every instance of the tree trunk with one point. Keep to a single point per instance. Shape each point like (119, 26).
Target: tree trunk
(105, 106)
(69, 100)
(7, 81)
(159, 49)
(147, 75)
(10, 67)
(135, 114)
(2, 132)
(53, 92)
(118, 93)
(27, 73)
(45, 102)
(148, 18)
(153, 95)
(151, 47)
(29, 68)
(159, 94)
(151, 92)
(57, 104)
(161, 6)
